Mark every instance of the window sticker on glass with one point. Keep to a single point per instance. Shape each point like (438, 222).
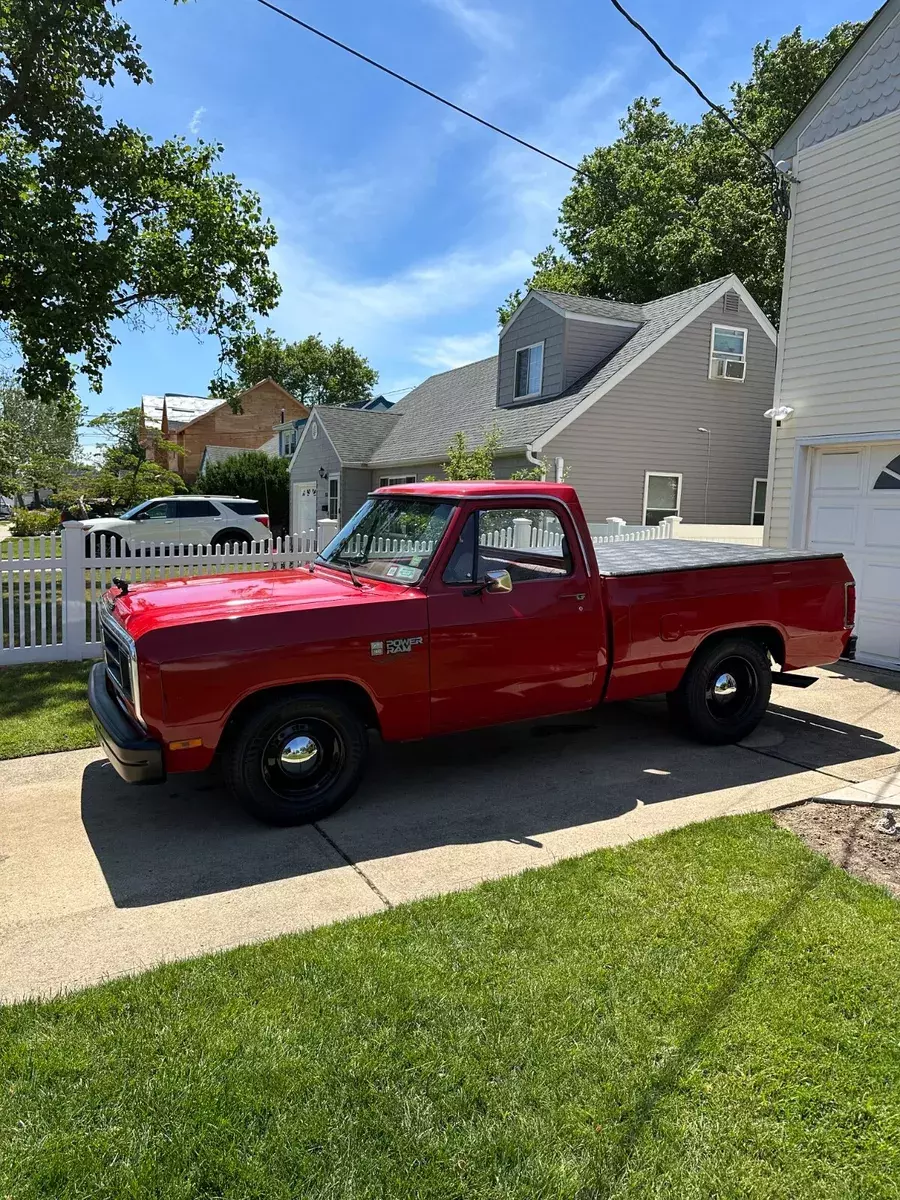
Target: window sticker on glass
(392, 570)
(416, 560)
(408, 573)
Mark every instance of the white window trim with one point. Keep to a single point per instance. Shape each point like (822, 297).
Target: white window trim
(648, 475)
(753, 509)
(334, 475)
(521, 350)
(740, 357)
(396, 480)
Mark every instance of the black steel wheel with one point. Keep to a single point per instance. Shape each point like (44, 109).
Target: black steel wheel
(725, 691)
(296, 759)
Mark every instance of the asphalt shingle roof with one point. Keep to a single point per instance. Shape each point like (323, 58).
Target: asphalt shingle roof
(465, 399)
(593, 306)
(355, 433)
(218, 454)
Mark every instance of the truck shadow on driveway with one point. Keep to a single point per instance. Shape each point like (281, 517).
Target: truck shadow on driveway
(513, 784)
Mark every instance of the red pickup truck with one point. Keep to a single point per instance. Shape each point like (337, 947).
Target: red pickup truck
(441, 607)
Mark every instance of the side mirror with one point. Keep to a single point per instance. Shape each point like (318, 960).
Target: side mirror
(498, 581)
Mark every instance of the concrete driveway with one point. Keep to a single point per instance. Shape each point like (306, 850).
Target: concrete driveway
(100, 879)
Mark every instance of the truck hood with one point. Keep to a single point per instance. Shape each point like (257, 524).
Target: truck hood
(149, 606)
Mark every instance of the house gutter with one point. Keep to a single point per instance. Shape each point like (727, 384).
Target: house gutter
(559, 466)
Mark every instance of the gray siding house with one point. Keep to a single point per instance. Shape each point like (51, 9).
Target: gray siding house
(836, 453)
(649, 410)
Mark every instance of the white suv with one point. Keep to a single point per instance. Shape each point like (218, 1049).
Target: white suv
(186, 521)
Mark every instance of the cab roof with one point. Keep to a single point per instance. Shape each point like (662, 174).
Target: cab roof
(490, 488)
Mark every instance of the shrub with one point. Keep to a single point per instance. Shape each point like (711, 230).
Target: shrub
(254, 476)
(29, 523)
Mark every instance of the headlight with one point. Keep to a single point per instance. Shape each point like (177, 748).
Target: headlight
(120, 656)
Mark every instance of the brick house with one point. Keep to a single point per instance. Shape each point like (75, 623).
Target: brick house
(195, 422)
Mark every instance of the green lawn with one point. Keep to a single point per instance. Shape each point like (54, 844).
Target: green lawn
(43, 707)
(712, 1013)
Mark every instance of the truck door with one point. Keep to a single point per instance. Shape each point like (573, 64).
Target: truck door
(535, 650)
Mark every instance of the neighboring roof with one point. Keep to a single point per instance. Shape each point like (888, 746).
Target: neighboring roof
(354, 432)
(180, 409)
(591, 306)
(218, 454)
(375, 404)
(465, 398)
(786, 146)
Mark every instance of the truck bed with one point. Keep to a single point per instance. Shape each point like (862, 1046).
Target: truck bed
(654, 557)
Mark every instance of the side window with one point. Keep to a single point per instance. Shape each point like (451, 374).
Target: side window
(530, 543)
(191, 509)
(159, 512)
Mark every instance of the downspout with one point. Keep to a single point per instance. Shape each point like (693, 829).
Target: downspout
(538, 462)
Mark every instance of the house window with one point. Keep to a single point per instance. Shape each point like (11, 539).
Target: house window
(662, 497)
(334, 497)
(758, 507)
(529, 371)
(289, 438)
(728, 353)
(393, 480)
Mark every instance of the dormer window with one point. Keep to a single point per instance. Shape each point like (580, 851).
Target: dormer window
(529, 371)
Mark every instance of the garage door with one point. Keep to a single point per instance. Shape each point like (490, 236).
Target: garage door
(855, 507)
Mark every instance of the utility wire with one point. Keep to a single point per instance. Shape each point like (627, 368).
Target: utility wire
(684, 75)
(781, 195)
(419, 88)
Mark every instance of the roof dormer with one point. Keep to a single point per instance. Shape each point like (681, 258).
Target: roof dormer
(553, 339)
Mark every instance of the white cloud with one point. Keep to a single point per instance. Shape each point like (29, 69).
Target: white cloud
(485, 27)
(454, 350)
(194, 126)
(420, 311)
(367, 310)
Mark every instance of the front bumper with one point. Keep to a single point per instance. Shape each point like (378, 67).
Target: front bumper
(137, 758)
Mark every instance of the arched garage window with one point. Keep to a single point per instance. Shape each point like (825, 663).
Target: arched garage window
(889, 479)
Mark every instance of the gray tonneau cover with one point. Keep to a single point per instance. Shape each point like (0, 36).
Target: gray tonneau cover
(674, 554)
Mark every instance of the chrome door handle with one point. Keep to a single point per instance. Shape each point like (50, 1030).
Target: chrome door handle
(574, 596)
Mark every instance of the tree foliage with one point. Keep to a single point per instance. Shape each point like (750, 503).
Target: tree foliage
(311, 370)
(38, 442)
(129, 470)
(98, 223)
(476, 462)
(668, 205)
(255, 476)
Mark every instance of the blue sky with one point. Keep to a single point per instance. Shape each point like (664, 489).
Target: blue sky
(402, 226)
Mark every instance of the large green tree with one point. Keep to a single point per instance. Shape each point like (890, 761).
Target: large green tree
(670, 205)
(97, 222)
(311, 370)
(129, 468)
(38, 442)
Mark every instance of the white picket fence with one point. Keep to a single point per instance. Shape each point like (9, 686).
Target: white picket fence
(51, 585)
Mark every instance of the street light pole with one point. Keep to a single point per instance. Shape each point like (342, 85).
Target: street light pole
(703, 429)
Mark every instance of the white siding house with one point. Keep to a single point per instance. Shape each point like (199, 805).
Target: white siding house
(835, 461)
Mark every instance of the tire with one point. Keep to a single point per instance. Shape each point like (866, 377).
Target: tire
(231, 537)
(111, 542)
(282, 792)
(724, 693)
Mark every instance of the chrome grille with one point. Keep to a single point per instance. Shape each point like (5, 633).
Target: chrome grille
(118, 666)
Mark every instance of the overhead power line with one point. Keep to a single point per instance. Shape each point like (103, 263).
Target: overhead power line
(419, 88)
(684, 75)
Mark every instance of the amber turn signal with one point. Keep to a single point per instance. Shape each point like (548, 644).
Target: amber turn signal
(188, 744)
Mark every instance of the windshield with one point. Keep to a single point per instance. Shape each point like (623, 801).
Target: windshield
(391, 537)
